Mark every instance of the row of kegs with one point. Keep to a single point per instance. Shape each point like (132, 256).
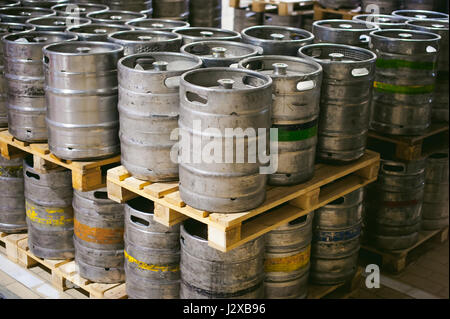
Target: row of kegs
(198, 12)
(382, 6)
(114, 242)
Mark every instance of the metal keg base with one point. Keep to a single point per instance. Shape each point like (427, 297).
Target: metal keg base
(99, 274)
(13, 229)
(293, 289)
(439, 115)
(396, 242)
(187, 292)
(434, 224)
(289, 179)
(148, 175)
(331, 278)
(340, 158)
(397, 130)
(46, 253)
(143, 288)
(85, 155)
(30, 138)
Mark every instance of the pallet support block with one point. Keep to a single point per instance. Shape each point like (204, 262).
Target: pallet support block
(119, 194)
(166, 216)
(307, 200)
(220, 239)
(408, 152)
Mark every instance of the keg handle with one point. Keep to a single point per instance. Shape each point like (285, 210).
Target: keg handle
(364, 39)
(392, 167)
(139, 221)
(32, 175)
(305, 85)
(360, 72)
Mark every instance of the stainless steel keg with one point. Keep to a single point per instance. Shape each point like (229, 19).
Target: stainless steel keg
(81, 93)
(149, 104)
(231, 107)
(5, 29)
(221, 53)
(440, 106)
(24, 77)
(420, 14)
(140, 41)
(349, 32)
(295, 113)
(48, 200)
(335, 245)
(346, 91)
(157, 24)
(287, 259)
(98, 236)
(383, 21)
(128, 5)
(41, 3)
(12, 200)
(171, 9)
(78, 9)
(114, 16)
(9, 3)
(339, 4)
(96, 31)
(435, 199)
(394, 204)
(195, 34)
(277, 40)
(380, 6)
(238, 274)
(56, 23)
(152, 254)
(22, 14)
(404, 81)
(205, 13)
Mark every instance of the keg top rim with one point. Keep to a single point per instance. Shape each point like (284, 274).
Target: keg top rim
(382, 35)
(169, 36)
(114, 47)
(221, 33)
(371, 57)
(17, 24)
(218, 43)
(283, 58)
(99, 15)
(9, 11)
(112, 27)
(429, 24)
(431, 14)
(69, 37)
(10, 3)
(308, 35)
(393, 20)
(62, 6)
(366, 26)
(170, 23)
(42, 21)
(193, 58)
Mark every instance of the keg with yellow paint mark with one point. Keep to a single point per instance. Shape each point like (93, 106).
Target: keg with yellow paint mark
(48, 200)
(152, 254)
(99, 228)
(287, 259)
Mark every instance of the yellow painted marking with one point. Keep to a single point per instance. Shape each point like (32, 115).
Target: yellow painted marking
(145, 266)
(288, 264)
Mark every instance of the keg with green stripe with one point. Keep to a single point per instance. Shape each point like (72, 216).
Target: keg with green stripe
(404, 80)
(295, 112)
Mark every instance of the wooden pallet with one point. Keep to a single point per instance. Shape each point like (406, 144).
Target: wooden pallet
(340, 291)
(282, 205)
(61, 270)
(86, 176)
(285, 7)
(396, 261)
(410, 147)
(321, 13)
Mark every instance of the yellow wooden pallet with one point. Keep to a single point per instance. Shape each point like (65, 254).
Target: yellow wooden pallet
(321, 13)
(410, 147)
(16, 248)
(282, 205)
(285, 7)
(86, 176)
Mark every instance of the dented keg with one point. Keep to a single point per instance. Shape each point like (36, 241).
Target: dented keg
(205, 13)
(48, 200)
(81, 94)
(277, 40)
(420, 14)
(152, 254)
(96, 31)
(394, 204)
(345, 99)
(238, 274)
(440, 106)
(380, 6)
(404, 81)
(221, 53)
(245, 17)
(287, 259)
(114, 16)
(78, 9)
(171, 9)
(157, 24)
(140, 41)
(295, 112)
(5, 29)
(22, 14)
(56, 23)
(349, 32)
(192, 34)
(12, 200)
(231, 106)
(42, 3)
(339, 4)
(24, 77)
(149, 103)
(336, 243)
(98, 236)
(383, 21)
(435, 199)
